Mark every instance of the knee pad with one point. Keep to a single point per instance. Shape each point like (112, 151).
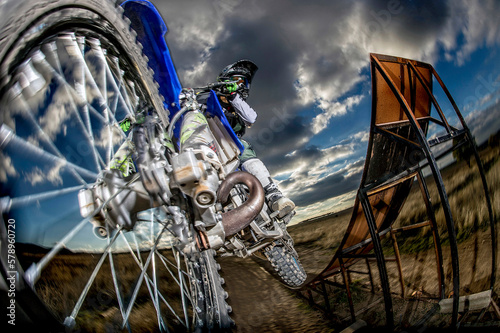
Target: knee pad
(257, 168)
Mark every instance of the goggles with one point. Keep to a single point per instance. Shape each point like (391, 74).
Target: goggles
(241, 81)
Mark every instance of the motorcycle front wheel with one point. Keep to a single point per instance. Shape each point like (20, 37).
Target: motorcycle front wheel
(71, 73)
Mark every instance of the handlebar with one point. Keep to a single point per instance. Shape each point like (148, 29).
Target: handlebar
(213, 85)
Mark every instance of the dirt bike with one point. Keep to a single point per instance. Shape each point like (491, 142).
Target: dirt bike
(86, 147)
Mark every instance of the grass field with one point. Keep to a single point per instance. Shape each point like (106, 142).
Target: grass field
(465, 194)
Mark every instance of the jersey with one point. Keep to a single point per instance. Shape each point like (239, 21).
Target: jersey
(239, 114)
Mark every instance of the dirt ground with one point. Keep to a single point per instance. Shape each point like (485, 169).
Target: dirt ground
(262, 304)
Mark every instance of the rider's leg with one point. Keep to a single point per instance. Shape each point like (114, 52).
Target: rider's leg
(274, 197)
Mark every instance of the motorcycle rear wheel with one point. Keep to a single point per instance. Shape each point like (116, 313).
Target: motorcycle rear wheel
(286, 264)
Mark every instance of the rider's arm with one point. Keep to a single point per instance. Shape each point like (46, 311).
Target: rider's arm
(244, 110)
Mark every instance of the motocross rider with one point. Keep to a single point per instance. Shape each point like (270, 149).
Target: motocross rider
(240, 115)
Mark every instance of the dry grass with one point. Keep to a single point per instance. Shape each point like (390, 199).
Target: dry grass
(321, 233)
(465, 194)
(466, 197)
(65, 278)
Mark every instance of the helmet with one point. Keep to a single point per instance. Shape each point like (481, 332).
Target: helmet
(242, 71)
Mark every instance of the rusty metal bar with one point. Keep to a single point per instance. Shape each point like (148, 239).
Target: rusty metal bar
(311, 301)
(412, 226)
(398, 262)
(370, 274)
(346, 251)
(396, 137)
(360, 255)
(310, 297)
(357, 272)
(386, 259)
(348, 289)
(446, 137)
(325, 297)
(429, 118)
(384, 187)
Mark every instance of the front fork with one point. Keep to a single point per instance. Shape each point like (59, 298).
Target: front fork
(122, 195)
(195, 171)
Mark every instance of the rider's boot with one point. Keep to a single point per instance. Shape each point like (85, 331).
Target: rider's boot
(277, 201)
(274, 198)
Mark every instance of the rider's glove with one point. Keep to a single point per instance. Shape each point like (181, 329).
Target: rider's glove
(232, 87)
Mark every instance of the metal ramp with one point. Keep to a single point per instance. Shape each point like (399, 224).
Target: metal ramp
(403, 110)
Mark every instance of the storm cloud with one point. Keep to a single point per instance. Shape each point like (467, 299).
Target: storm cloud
(313, 76)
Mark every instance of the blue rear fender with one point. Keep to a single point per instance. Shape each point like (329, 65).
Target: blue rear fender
(151, 29)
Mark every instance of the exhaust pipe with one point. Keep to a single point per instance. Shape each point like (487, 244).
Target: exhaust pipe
(240, 217)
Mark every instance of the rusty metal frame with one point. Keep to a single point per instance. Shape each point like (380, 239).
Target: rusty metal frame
(415, 88)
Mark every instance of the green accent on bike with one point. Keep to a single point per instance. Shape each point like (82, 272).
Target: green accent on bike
(167, 142)
(199, 117)
(186, 135)
(125, 125)
(122, 160)
(125, 165)
(140, 118)
(191, 125)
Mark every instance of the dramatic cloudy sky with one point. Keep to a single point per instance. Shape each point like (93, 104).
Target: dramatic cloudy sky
(312, 90)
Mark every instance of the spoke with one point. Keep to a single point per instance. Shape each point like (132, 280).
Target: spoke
(32, 274)
(148, 280)
(108, 77)
(128, 106)
(167, 262)
(73, 47)
(156, 293)
(139, 281)
(29, 200)
(99, 78)
(7, 136)
(49, 50)
(103, 100)
(126, 101)
(137, 248)
(29, 113)
(80, 97)
(181, 279)
(115, 279)
(75, 101)
(114, 106)
(69, 321)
